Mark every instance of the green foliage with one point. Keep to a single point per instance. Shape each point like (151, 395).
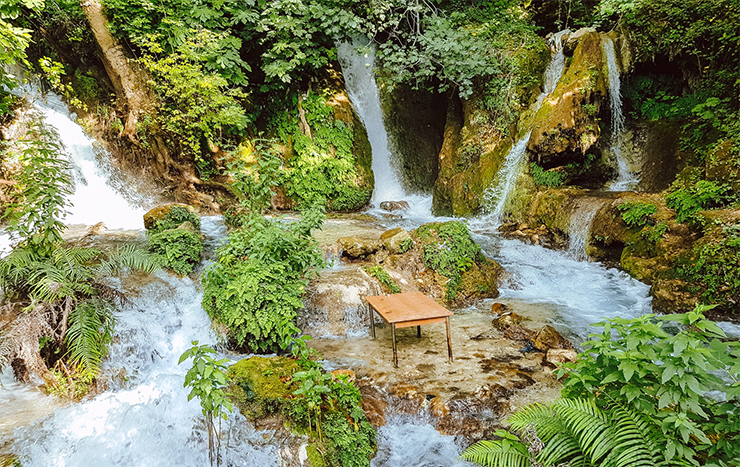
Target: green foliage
(207, 380)
(255, 287)
(637, 214)
(44, 182)
(322, 170)
(254, 177)
(13, 43)
(382, 275)
(330, 407)
(449, 250)
(508, 451)
(660, 379)
(713, 269)
(197, 106)
(90, 331)
(405, 246)
(544, 177)
(174, 218)
(639, 395)
(179, 248)
(689, 199)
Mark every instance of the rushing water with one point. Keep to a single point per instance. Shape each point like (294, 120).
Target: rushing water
(357, 60)
(626, 179)
(579, 227)
(498, 193)
(95, 198)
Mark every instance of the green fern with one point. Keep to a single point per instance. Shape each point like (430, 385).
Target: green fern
(131, 257)
(580, 433)
(509, 451)
(90, 331)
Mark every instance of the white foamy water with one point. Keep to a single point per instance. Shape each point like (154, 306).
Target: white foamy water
(579, 292)
(146, 419)
(626, 179)
(412, 441)
(94, 199)
(497, 195)
(579, 228)
(357, 60)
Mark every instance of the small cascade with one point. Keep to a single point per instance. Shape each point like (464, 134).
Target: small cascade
(497, 195)
(146, 419)
(580, 227)
(626, 179)
(357, 60)
(95, 199)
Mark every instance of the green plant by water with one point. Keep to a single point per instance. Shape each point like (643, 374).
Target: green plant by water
(637, 395)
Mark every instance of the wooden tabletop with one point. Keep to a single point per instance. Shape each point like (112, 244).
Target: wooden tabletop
(410, 306)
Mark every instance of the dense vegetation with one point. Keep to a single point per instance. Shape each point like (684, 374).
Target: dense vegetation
(665, 391)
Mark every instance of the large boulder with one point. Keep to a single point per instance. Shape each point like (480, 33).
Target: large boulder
(567, 124)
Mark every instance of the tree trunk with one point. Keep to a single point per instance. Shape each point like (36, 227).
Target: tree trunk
(129, 80)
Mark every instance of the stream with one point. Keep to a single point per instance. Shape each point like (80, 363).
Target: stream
(144, 418)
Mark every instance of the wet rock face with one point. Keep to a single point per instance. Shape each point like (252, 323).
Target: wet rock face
(359, 247)
(566, 126)
(392, 206)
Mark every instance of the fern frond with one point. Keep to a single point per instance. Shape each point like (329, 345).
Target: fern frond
(637, 440)
(129, 256)
(499, 453)
(90, 330)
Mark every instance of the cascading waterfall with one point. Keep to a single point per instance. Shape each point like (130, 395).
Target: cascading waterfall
(94, 199)
(497, 195)
(146, 420)
(626, 179)
(357, 60)
(579, 227)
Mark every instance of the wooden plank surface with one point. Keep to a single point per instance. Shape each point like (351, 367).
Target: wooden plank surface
(410, 306)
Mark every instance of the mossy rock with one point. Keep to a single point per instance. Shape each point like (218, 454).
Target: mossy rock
(448, 249)
(260, 385)
(160, 213)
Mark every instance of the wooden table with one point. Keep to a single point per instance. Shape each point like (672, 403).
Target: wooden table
(404, 310)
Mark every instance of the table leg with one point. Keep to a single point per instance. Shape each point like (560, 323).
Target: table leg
(395, 351)
(372, 320)
(449, 341)
(418, 331)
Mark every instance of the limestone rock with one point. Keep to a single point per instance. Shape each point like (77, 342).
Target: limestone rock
(566, 126)
(396, 240)
(359, 247)
(571, 40)
(548, 338)
(160, 212)
(507, 320)
(557, 357)
(391, 206)
(518, 333)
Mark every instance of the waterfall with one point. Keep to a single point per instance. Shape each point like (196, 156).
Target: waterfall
(95, 198)
(497, 195)
(580, 227)
(626, 179)
(357, 60)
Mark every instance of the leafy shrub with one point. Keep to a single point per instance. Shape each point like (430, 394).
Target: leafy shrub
(638, 395)
(713, 270)
(255, 287)
(449, 250)
(179, 248)
(544, 177)
(176, 217)
(323, 169)
(690, 199)
(382, 275)
(637, 214)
